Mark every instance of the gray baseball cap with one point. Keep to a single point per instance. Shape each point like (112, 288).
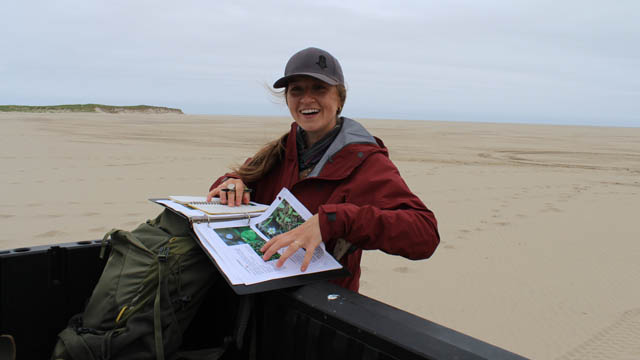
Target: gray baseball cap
(312, 62)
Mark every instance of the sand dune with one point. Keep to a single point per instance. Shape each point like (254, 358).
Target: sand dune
(539, 223)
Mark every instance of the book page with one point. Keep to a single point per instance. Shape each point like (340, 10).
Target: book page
(210, 244)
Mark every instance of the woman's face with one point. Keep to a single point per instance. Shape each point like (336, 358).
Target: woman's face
(313, 105)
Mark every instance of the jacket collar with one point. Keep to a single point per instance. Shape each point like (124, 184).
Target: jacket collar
(352, 132)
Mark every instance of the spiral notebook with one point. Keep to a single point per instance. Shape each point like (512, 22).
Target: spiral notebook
(215, 207)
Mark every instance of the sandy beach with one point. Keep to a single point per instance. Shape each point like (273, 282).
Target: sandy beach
(540, 241)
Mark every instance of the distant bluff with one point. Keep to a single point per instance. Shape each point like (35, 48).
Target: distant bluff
(94, 108)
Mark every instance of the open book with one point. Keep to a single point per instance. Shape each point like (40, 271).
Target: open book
(234, 245)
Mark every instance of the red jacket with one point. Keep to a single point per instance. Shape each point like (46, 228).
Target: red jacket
(359, 196)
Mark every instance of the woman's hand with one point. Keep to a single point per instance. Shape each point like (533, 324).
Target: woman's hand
(231, 198)
(305, 236)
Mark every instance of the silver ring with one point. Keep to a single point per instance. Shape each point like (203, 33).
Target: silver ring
(231, 186)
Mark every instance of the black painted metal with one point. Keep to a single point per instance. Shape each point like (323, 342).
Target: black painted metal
(41, 287)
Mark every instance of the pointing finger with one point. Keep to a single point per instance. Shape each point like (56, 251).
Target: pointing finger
(211, 194)
(307, 259)
(291, 249)
(271, 247)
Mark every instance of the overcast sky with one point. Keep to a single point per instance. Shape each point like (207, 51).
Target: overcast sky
(564, 62)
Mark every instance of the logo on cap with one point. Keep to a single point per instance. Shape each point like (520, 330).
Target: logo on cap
(322, 62)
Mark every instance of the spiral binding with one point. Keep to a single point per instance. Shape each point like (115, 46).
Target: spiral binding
(212, 202)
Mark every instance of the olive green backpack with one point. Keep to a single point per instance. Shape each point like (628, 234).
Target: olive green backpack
(152, 285)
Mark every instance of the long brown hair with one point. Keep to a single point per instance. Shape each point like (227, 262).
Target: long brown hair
(259, 165)
(273, 152)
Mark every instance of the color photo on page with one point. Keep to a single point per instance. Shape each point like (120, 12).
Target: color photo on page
(283, 219)
(243, 235)
(284, 214)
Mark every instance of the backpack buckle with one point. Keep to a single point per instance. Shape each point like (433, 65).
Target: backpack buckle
(163, 254)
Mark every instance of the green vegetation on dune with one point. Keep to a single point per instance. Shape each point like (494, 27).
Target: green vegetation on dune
(89, 108)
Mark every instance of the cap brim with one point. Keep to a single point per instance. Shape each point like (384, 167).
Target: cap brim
(283, 81)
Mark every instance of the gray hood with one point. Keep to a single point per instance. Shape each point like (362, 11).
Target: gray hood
(350, 133)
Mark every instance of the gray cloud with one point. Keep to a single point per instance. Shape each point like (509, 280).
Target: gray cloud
(532, 61)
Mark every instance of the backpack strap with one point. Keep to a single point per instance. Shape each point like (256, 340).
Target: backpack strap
(130, 238)
(163, 254)
(103, 246)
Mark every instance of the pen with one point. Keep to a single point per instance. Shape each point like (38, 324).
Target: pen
(247, 190)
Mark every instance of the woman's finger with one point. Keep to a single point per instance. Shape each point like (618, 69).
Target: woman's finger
(212, 194)
(307, 258)
(239, 190)
(233, 190)
(232, 196)
(270, 248)
(222, 194)
(291, 249)
(305, 236)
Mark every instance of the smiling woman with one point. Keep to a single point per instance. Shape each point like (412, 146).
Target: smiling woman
(338, 170)
(313, 105)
